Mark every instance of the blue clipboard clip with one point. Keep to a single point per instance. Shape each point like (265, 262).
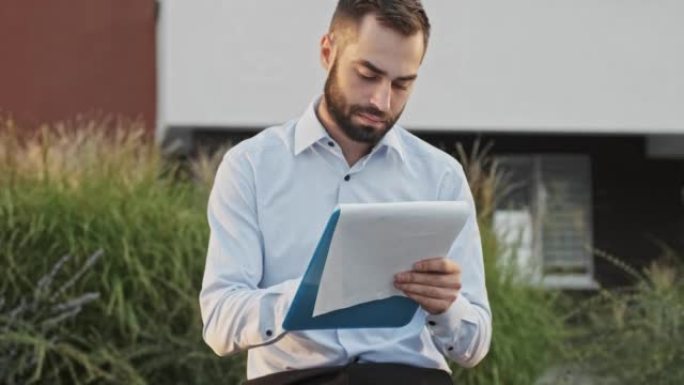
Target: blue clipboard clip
(394, 311)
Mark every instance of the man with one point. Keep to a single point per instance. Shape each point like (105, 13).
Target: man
(273, 195)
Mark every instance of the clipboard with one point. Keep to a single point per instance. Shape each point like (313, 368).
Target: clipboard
(395, 311)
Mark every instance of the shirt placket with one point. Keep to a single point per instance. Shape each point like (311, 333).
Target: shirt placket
(347, 194)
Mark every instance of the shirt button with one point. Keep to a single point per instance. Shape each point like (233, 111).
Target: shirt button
(347, 177)
(432, 323)
(331, 144)
(450, 348)
(269, 333)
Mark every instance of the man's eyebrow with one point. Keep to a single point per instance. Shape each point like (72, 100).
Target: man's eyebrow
(377, 70)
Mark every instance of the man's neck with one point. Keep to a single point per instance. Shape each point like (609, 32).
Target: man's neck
(353, 151)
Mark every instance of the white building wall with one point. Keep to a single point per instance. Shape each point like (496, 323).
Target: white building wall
(607, 66)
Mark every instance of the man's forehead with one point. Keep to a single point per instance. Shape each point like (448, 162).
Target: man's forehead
(371, 33)
(382, 59)
(378, 43)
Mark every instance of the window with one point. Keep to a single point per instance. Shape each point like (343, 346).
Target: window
(546, 219)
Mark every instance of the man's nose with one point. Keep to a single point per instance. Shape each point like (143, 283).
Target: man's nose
(382, 95)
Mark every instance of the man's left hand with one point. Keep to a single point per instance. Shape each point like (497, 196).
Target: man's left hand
(433, 283)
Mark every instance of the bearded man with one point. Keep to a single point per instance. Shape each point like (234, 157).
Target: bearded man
(274, 193)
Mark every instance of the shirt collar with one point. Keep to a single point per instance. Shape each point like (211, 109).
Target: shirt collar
(309, 130)
(392, 140)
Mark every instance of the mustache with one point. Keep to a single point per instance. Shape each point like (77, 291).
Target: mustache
(370, 110)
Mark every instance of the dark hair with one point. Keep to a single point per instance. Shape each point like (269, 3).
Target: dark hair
(404, 16)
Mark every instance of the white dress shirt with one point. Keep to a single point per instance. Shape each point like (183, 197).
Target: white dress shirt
(271, 199)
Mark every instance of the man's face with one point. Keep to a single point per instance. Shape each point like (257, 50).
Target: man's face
(371, 79)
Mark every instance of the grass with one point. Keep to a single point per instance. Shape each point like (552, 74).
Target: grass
(96, 185)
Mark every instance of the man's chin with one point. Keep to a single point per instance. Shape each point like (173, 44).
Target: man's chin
(366, 134)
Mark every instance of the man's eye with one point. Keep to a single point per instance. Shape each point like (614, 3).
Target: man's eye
(368, 77)
(400, 86)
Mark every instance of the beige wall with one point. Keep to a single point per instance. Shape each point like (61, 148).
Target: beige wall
(604, 66)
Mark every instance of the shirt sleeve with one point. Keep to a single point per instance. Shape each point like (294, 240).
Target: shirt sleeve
(463, 333)
(236, 313)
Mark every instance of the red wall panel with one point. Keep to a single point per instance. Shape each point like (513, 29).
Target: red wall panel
(62, 58)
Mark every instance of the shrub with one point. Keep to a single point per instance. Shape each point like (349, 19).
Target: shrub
(528, 327)
(99, 184)
(36, 343)
(635, 335)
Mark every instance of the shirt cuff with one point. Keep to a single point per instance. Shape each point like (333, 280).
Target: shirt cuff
(274, 308)
(447, 325)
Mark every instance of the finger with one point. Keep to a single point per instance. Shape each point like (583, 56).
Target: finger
(437, 265)
(429, 291)
(431, 305)
(433, 279)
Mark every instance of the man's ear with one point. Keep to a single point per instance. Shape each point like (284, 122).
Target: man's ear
(327, 51)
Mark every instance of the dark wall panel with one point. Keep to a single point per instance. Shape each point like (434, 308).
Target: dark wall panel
(638, 202)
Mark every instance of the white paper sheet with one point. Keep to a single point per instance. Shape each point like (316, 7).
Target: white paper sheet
(374, 241)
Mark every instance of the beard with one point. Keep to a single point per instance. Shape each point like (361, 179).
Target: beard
(342, 113)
